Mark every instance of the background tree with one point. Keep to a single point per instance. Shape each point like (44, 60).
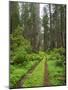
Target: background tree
(30, 17)
(14, 16)
(46, 29)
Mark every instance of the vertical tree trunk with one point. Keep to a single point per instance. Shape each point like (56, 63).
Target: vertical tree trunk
(50, 26)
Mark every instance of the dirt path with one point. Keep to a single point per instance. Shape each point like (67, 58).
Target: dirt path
(29, 73)
(46, 75)
(22, 79)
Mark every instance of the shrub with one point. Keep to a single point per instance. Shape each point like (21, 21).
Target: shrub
(60, 61)
(19, 46)
(61, 50)
(12, 68)
(35, 57)
(20, 56)
(42, 54)
(57, 56)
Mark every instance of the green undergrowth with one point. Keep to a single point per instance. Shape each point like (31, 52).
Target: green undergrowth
(56, 74)
(22, 63)
(17, 71)
(56, 67)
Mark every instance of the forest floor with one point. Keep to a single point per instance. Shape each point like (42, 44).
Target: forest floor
(47, 71)
(25, 77)
(46, 75)
(36, 76)
(40, 75)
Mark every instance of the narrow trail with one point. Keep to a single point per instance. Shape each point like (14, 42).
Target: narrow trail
(46, 75)
(29, 73)
(22, 79)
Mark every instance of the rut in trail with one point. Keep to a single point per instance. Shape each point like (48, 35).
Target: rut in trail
(46, 75)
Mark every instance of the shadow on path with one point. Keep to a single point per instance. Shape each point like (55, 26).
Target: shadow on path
(46, 75)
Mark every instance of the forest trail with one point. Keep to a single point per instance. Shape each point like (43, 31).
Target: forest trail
(46, 75)
(25, 77)
(29, 74)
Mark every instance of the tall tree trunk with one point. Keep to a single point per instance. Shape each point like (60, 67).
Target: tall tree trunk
(50, 26)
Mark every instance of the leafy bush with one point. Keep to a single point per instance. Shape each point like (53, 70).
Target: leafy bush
(12, 68)
(58, 56)
(19, 46)
(20, 56)
(60, 61)
(42, 54)
(16, 38)
(61, 50)
(35, 57)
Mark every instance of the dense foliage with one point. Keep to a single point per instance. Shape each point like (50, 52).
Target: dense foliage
(56, 65)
